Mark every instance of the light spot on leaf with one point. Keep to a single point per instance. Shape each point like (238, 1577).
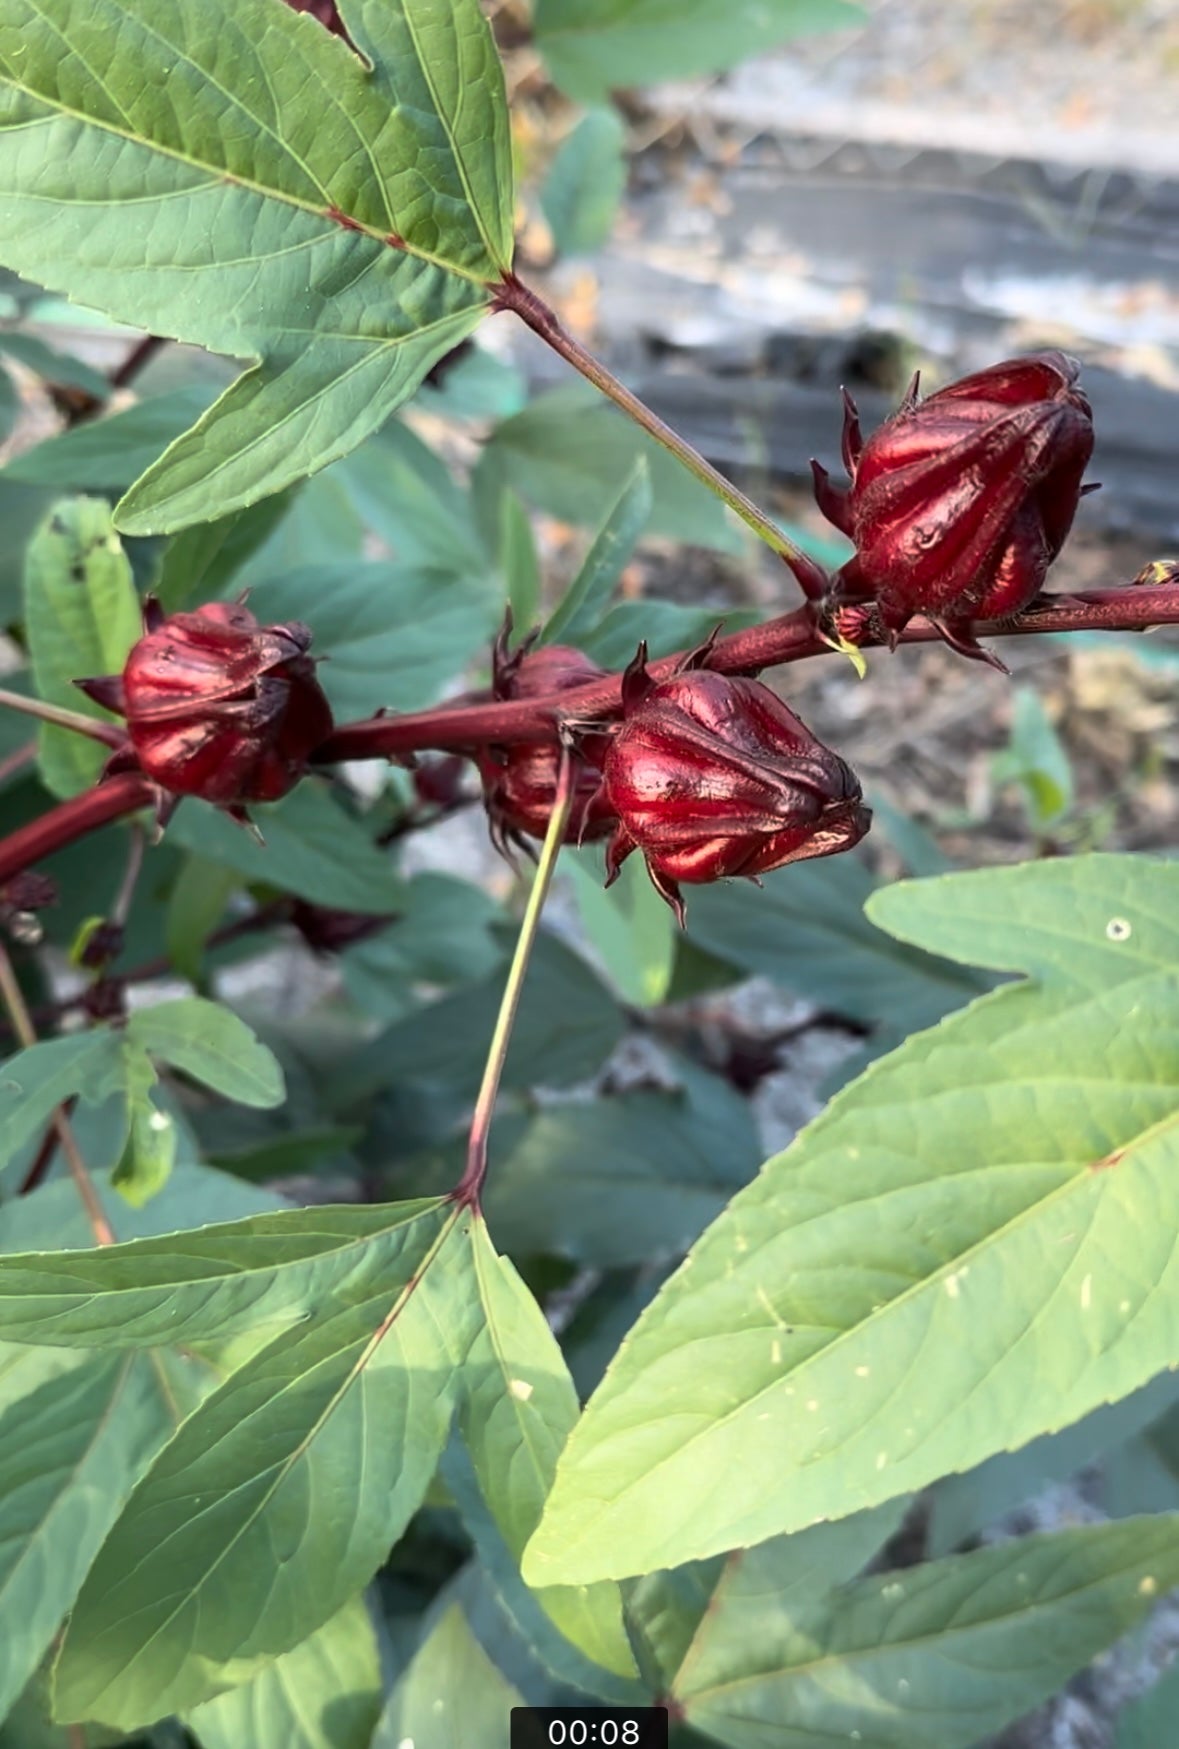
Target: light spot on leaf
(521, 1389)
(1086, 1293)
(881, 1459)
(813, 1403)
(1148, 1585)
(776, 1353)
(863, 1371)
(1118, 929)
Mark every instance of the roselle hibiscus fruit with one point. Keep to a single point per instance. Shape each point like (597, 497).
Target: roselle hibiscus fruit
(711, 776)
(520, 781)
(960, 502)
(218, 706)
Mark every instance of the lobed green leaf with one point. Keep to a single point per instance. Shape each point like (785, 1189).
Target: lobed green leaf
(250, 185)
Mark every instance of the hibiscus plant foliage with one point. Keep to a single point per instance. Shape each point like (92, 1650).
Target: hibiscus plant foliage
(375, 1358)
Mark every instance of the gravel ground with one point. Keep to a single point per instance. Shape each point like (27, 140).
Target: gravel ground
(1094, 81)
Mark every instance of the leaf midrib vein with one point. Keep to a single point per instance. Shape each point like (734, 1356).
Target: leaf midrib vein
(233, 180)
(927, 1284)
(283, 1469)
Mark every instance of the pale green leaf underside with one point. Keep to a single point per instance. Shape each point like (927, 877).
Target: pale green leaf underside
(279, 1497)
(210, 1043)
(70, 1449)
(325, 1694)
(519, 1404)
(930, 1657)
(451, 1696)
(185, 165)
(209, 1281)
(972, 1246)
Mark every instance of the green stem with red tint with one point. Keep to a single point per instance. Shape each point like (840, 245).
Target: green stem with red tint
(471, 1183)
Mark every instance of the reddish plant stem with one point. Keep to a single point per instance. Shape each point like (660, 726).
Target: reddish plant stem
(44, 1156)
(73, 819)
(464, 727)
(140, 355)
(17, 760)
(13, 1000)
(460, 727)
(532, 310)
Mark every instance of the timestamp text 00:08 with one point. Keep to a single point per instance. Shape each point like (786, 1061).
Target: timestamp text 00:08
(576, 1733)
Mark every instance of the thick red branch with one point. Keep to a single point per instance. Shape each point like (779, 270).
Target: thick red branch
(460, 727)
(464, 727)
(73, 819)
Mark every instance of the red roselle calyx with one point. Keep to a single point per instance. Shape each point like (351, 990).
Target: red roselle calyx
(711, 776)
(520, 781)
(218, 706)
(960, 502)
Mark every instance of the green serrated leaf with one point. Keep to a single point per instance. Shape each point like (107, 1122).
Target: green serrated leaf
(409, 498)
(624, 1180)
(33, 1083)
(81, 616)
(517, 1408)
(316, 1450)
(75, 1431)
(990, 1205)
(630, 926)
(207, 1041)
(699, 1613)
(196, 906)
(395, 635)
(207, 556)
(593, 46)
(189, 1286)
(105, 455)
(325, 1694)
(312, 848)
(936, 1656)
(195, 1196)
(807, 930)
(584, 185)
(58, 368)
(567, 1025)
(664, 626)
(569, 453)
(584, 601)
(518, 562)
(451, 1694)
(280, 201)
